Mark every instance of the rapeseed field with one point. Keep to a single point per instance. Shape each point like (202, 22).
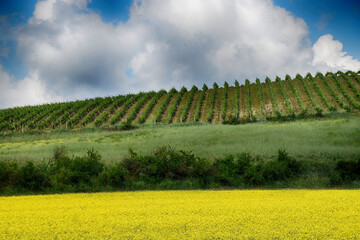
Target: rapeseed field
(236, 214)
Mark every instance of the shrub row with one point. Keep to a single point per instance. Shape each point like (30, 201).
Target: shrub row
(307, 90)
(237, 99)
(290, 111)
(139, 104)
(346, 171)
(75, 107)
(350, 84)
(82, 112)
(190, 99)
(46, 112)
(260, 95)
(129, 102)
(320, 92)
(225, 96)
(212, 103)
(104, 104)
(29, 116)
(354, 75)
(273, 98)
(54, 116)
(119, 100)
(201, 103)
(165, 104)
(248, 98)
(63, 173)
(175, 105)
(343, 90)
(304, 111)
(151, 105)
(338, 99)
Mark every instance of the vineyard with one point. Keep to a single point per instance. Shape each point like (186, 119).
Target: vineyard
(278, 100)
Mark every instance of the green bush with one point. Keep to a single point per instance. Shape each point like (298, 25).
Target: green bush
(8, 174)
(31, 177)
(347, 170)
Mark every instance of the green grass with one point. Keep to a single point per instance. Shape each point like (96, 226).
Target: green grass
(318, 139)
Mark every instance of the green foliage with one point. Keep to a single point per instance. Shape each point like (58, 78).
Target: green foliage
(193, 90)
(343, 90)
(350, 84)
(320, 92)
(304, 111)
(273, 98)
(165, 104)
(354, 75)
(90, 117)
(260, 94)
(130, 101)
(237, 99)
(225, 96)
(174, 107)
(139, 104)
(346, 171)
(92, 103)
(290, 111)
(338, 99)
(307, 90)
(212, 103)
(151, 105)
(248, 97)
(118, 101)
(201, 103)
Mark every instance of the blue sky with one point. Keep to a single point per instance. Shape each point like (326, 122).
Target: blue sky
(341, 18)
(71, 49)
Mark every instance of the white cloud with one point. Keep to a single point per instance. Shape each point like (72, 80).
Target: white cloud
(328, 55)
(28, 91)
(76, 55)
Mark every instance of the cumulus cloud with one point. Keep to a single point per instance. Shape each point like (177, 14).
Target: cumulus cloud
(28, 91)
(328, 54)
(70, 52)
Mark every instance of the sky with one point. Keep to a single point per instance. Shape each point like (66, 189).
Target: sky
(63, 50)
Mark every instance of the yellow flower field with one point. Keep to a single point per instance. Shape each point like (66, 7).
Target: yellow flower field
(238, 214)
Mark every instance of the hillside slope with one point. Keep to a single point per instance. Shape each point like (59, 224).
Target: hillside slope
(269, 100)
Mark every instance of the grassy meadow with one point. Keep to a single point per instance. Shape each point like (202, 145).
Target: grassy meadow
(337, 135)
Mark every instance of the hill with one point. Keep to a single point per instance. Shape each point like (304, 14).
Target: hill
(279, 100)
